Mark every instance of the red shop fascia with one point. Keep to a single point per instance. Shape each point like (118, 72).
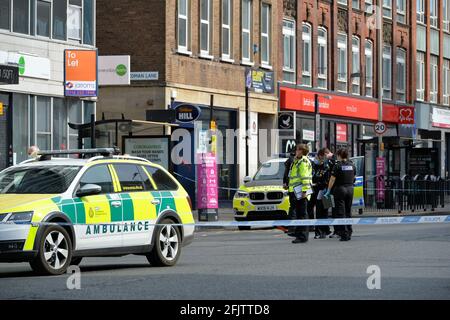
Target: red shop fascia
(344, 106)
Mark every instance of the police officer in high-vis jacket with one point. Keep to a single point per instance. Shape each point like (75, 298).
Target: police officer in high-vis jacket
(341, 186)
(300, 176)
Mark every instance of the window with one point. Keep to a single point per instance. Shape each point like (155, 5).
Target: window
(59, 19)
(59, 124)
(342, 2)
(145, 178)
(356, 74)
(355, 4)
(387, 8)
(183, 25)
(322, 59)
(387, 72)
(446, 78)
(446, 15)
(401, 75)
(289, 51)
(401, 11)
(226, 28)
(20, 126)
(306, 62)
(420, 76)
(246, 30)
(129, 177)
(161, 179)
(74, 20)
(43, 18)
(100, 176)
(88, 21)
(342, 62)
(21, 16)
(434, 79)
(369, 68)
(369, 6)
(205, 27)
(5, 12)
(265, 34)
(420, 5)
(43, 123)
(434, 13)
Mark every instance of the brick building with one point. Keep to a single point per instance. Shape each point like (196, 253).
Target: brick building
(199, 48)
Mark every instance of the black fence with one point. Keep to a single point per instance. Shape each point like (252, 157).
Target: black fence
(407, 193)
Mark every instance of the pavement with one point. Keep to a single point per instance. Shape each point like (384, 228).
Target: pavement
(412, 261)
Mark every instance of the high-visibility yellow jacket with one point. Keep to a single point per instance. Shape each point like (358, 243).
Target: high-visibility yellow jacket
(300, 173)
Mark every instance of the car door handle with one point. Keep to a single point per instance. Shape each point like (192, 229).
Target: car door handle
(116, 204)
(155, 202)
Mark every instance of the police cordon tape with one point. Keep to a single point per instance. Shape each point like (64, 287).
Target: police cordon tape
(405, 220)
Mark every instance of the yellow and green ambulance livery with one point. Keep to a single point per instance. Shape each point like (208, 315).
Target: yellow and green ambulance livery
(263, 197)
(54, 211)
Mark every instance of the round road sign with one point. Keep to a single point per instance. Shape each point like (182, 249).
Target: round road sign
(380, 127)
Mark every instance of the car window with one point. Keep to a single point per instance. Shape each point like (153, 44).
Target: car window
(162, 180)
(37, 179)
(270, 171)
(147, 183)
(129, 177)
(100, 176)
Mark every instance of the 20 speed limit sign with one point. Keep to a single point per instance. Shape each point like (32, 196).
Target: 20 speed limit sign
(380, 127)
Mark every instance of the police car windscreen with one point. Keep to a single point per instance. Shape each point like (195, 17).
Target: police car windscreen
(270, 171)
(37, 180)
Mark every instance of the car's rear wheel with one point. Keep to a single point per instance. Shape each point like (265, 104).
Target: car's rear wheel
(167, 246)
(76, 261)
(54, 252)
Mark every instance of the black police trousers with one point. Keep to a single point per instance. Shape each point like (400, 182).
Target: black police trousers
(321, 213)
(298, 211)
(343, 199)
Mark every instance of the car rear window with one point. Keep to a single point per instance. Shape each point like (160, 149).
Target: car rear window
(129, 177)
(162, 180)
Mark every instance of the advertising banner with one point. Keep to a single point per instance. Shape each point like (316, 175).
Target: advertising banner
(440, 118)
(152, 148)
(113, 70)
(341, 132)
(207, 184)
(381, 171)
(80, 73)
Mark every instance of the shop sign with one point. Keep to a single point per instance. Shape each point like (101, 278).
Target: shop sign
(308, 135)
(341, 133)
(144, 76)
(152, 148)
(381, 171)
(80, 73)
(28, 65)
(9, 74)
(207, 186)
(187, 113)
(114, 70)
(260, 81)
(406, 115)
(440, 118)
(2, 112)
(287, 145)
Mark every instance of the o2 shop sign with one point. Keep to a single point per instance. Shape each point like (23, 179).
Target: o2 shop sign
(187, 113)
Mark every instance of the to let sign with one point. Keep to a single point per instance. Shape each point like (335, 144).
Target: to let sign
(80, 70)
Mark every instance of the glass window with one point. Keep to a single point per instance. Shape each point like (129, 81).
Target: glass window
(420, 7)
(387, 8)
(43, 123)
(20, 127)
(21, 16)
(74, 21)
(246, 30)
(88, 22)
(289, 51)
(43, 18)
(100, 176)
(322, 71)
(387, 72)
(420, 74)
(205, 26)
(59, 19)
(342, 2)
(446, 78)
(401, 11)
(226, 28)
(183, 23)
(369, 68)
(161, 179)
(59, 124)
(270, 171)
(434, 9)
(75, 116)
(5, 12)
(37, 180)
(355, 66)
(265, 34)
(306, 62)
(342, 62)
(446, 15)
(369, 6)
(129, 177)
(145, 178)
(355, 4)
(434, 79)
(401, 75)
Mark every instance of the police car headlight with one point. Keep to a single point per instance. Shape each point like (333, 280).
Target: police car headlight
(20, 217)
(241, 194)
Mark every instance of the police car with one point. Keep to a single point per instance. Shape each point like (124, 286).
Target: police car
(55, 211)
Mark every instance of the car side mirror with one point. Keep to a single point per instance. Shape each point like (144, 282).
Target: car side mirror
(247, 179)
(89, 190)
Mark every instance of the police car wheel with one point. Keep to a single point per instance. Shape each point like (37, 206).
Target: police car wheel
(55, 252)
(76, 261)
(167, 246)
(242, 228)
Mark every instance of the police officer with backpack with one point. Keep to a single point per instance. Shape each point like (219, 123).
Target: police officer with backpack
(341, 183)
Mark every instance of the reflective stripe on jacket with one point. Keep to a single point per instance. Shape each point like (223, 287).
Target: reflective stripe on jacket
(301, 173)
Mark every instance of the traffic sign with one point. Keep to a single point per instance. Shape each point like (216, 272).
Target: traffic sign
(380, 127)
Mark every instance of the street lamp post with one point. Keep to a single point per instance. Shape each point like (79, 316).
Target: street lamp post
(317, 138)
(380, 80)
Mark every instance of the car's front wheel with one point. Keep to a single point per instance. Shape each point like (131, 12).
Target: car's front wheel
(54, 252)
(167, 246)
